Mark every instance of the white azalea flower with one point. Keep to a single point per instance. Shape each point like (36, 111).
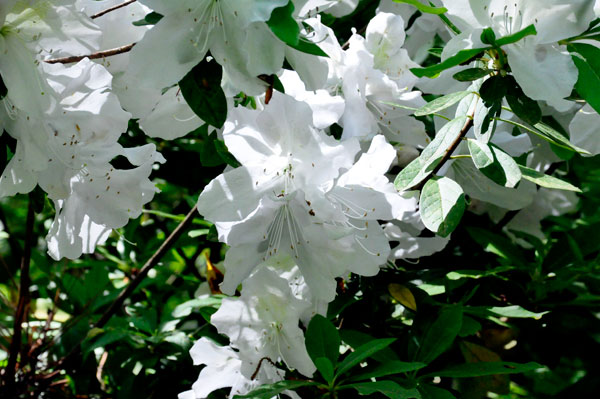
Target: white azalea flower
(374, 70)
(533, 59)
(67, 151)
(223, 369)
(285, 198)
(263, 323)
(191, 28)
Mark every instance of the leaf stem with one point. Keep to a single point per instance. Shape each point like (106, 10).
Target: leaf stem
(149, 265)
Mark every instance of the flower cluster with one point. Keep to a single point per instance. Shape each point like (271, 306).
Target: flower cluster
(311, 201)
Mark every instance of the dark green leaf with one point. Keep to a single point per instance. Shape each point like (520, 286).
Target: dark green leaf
(322, 339)
(459, 58)
(356, 338)
(325, 368)
(150, 19)
(587, 61)
(388, 368)
(515, 37)
(270, 390)
(497, 244)
(388, 388)
(283, 24)
(488, 36)
(465, 55)
(493, 90)
(470, 74)
(524, 107)
(201, 88)
(363, 352)
(479, 369)
(441, 334)
(432, 392)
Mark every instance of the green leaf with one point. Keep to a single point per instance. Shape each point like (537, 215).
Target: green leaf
(494, 163)
(470, 74)
(547, 133)
(493, 90)
(224, 153)
(442, 205)
(363, 352)
(283, 24)
(150, 19)
(388, 388)
(497, 244)
(201, 88)
(522, 106)
(308, 47)
(388, 368)
(356, 338)
(325, 368)
(432, 392)
(416, 171)
(424, 8)
(459, 58)
(515, 37)
(488, 36)
(441, 334)
(270, 390)
(465, 55)
(587, 61)
(547, 181)
(469, 326)
(515, 311)
(479, 369)
(558, 138)
(322, 340)
(441, 103)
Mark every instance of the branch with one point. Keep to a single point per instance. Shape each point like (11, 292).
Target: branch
(15, 344)
(92, 56)
(101, 13)
(153, 261)
(448, 153)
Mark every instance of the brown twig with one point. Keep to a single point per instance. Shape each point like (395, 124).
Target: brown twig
(15, 345)
(92, 56)
(447, 154)
(101, 13)
(153, 261)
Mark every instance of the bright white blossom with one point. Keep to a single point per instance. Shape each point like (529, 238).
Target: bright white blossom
(263, 323)
(286, 197)
(533, 59)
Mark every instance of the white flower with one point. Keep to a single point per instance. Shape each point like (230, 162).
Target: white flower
(374, 70)
(286, 198)
(533, 59)
(223, 369)
(263, 323)
(67, 150)
(191, 28)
